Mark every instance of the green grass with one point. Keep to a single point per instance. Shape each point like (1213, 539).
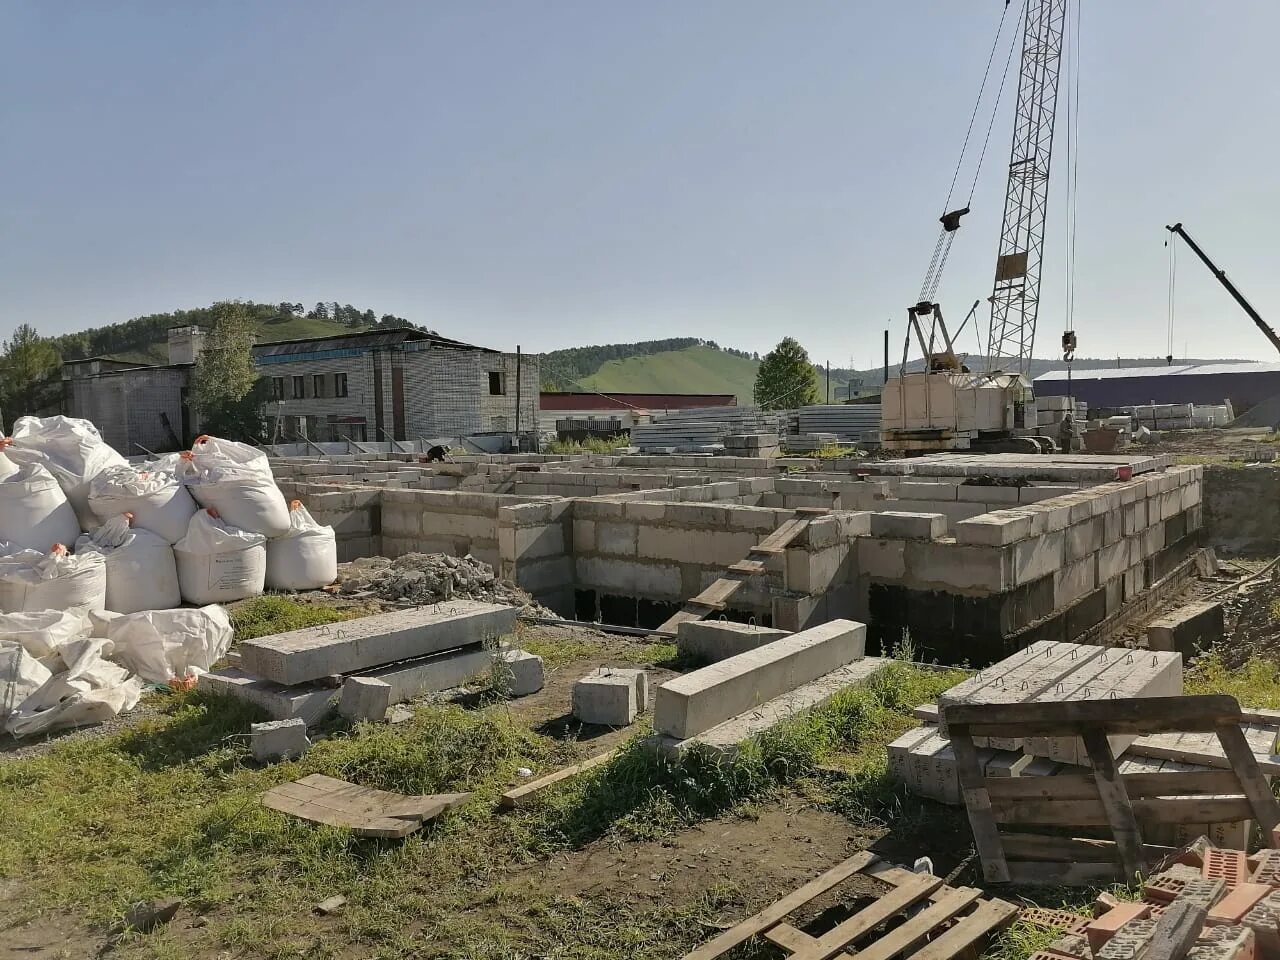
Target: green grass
(171, 808)
(266, 615)
(1254, 684)
(589, 445)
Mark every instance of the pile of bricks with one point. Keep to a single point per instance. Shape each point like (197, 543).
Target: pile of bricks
(1230, 900)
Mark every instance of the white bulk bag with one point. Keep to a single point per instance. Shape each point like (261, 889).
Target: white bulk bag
(7, 466)
(305, 558)
(91, 690)
(157, 500)
(21, 675)
(141, 571)
(235, 479)
(34, 513)
(43, 633)
(54, 581)
(218, 563)
(160, 645)
(72, 450)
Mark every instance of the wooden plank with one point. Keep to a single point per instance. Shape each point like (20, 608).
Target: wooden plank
(1245, 765)
(1048, 874)
(1092, 813)
(870, 917)
(749, 567)
(776, 911)
(813, 511)
(1138, 785)
(391, 828)
(716, 594)
(787, 937)
(782, 537)
(363, 810)
(920, 926)
(977, 803)
(1115, 800)
(526, 792)
(1139, 715)
(970, 931)
(1035, 846)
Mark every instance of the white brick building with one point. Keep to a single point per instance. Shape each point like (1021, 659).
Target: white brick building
(367, 387)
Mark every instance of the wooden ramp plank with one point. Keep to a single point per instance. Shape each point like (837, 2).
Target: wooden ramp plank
(524, 793)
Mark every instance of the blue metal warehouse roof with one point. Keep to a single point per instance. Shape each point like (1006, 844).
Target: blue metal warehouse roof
(1176, 370)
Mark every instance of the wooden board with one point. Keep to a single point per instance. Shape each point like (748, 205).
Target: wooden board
(919, 913)
(526, 792)
(362, 810)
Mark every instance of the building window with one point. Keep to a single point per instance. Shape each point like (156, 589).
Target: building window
(277, 388)
(299, 388)
(497, 384)
(339, 384)
(317, 385)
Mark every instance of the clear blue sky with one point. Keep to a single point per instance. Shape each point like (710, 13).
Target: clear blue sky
(559, 173)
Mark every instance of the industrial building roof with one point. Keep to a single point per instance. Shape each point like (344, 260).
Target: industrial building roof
(357, 340)
(629, 401)
(1174, 370)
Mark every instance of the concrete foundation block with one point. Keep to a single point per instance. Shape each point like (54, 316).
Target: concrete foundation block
(1038, 557)
(882, 559)
(606, 698)
(993, 529)
(364, 698)
(278, 740)
(945, 565)
(523, 672)
(1083, 539)
(908, 490)
(302, 655)
(710, 641)
(908, 526)
(697, 701)
(1187, 630)
(982, 493)
(618, 539)
(441, 671)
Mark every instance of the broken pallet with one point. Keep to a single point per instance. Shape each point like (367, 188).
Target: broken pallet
(934, 921)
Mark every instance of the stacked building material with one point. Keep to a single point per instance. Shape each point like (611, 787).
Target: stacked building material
(370, 663)
(1045, 672)
(701, 430)
(850, 422)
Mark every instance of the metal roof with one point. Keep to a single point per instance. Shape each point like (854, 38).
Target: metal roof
(1176, 370)
(367, 340)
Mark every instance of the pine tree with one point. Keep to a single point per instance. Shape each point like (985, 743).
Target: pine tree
(28, 361)
(786, 378)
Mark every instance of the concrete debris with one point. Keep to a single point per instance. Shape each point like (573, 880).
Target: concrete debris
(279, 740)
(431, 578)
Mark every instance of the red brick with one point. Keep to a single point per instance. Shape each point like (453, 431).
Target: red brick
(1104, 927)
(1228, 865)
(1267, 869)
(1232, 908)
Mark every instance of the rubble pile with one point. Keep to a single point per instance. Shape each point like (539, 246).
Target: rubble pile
(430, 578)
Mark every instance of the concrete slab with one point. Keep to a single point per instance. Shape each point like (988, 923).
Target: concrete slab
(364, 698)
(725, 738)
(302, 655)
(710, 641)
(698, 701)
(1187, 630)
(606, 698)
(441, 671)
(307, 702)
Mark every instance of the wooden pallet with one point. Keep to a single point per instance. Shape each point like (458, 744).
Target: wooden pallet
(716, 596)
(1104, 798)
(919, 918)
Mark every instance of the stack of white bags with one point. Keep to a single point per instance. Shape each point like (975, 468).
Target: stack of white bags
(97, 557)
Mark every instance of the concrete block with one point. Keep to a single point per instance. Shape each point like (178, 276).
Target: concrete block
(815, 571)
(1113, 560)
(945, 564)
(364, 698)
(986, 494)
(1038, 557)
(993, 529)
(711, 641)
(522, 670)
(697, 701)
(1187, 630)
(302, 655)
(1083, 539)
(908, 526)
(882, 559)
(606, 697)
(618, 539)
(1073, 581)
(278, 740)
(907, 490)
(629, 578)
(1135, 518)
(441, 671)
(306, 702)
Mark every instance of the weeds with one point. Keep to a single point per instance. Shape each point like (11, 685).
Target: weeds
(1256, 683)
(263, 616)
(589, 445)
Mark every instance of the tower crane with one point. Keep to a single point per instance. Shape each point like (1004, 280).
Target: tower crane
(946, 406)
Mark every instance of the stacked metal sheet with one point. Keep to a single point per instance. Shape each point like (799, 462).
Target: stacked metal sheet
(701, 430)
(850, 422)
